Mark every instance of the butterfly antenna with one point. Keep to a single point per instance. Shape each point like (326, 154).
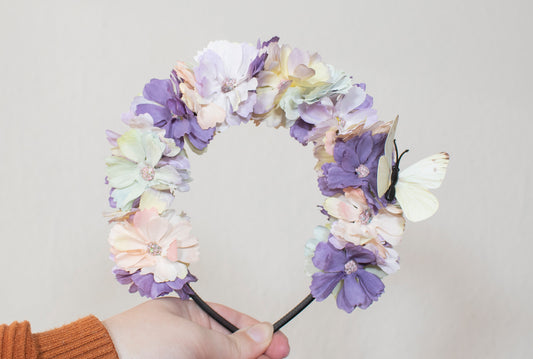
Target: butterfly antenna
(398, 158)
(396, 151)
(403, 153)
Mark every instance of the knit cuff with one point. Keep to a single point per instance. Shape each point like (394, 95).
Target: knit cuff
(86, 338)
(16, 341)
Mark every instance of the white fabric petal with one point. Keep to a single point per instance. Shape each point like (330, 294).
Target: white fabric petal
(121, 172)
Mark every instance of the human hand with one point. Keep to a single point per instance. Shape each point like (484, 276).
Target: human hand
(174, 328)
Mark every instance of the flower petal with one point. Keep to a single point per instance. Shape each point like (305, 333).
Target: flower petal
(323, 284)
(131, 146)
(371, 283)
(328, 258)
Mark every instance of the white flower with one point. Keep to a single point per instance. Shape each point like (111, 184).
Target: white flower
(223, 78)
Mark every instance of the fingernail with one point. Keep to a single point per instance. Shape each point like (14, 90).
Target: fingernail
(260, 333)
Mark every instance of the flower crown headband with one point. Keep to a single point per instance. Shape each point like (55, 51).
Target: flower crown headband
(368, 198)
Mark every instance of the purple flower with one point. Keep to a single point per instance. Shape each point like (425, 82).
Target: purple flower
(359, 288)
(356, 165)
(148, 287)
(162, 100)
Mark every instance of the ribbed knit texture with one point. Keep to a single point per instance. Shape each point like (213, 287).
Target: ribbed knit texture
(86, 338)
(16, 341)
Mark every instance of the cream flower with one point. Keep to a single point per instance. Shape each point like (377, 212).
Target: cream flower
(290, 78)
(155, 244)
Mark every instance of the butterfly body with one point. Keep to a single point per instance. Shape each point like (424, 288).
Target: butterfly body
(394, 176)
(391, 192)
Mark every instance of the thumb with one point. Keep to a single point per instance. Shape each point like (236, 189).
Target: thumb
(249, 343)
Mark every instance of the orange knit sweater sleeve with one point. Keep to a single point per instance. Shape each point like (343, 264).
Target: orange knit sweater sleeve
(86, 338)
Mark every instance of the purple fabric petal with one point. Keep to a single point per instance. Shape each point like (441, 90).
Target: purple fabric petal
(371, 283)
(364, 147)
(325, 188)
(177, 128)
(112, 202)
(328, 258)
(337, 178)
(170, 113)
(158, 91)
(359, 254)
(300, 130)
(257, 65)
(273, 39)
(199, 137)
(148, 287)
(345, 154)
(323, 284)
(157, 112)
(343, 301)
(355, 293)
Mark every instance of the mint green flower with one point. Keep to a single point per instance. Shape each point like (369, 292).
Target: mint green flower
(133, 168)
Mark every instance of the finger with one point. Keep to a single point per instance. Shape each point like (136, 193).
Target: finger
(279, 347)
(240, 320)
(248, 343)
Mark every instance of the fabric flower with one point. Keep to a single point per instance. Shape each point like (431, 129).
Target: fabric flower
(162, 100)
(356, 163)
(148, 287)
(292, 77)
(154, 244)
(357, 224)
(358, 287)
(134, 167)
(208, 115)
(224, 77)
(338, 115)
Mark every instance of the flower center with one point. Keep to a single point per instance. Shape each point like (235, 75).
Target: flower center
(350, 267)
(341, 122)
(228, 85)
(362, 171)
(147, 173)
(154, 249)
(365, 217)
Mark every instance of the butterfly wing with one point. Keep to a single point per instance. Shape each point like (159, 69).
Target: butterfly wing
(416, 201)
(385, 161)
(413, 183)
(428, 172)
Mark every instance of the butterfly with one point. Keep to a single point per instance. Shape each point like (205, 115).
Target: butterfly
(411, 186)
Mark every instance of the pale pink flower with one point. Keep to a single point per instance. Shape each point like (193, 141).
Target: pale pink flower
(208, 114)
(156, 244)
(358, 224)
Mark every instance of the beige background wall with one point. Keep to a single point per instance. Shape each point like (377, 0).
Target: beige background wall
(459, 74)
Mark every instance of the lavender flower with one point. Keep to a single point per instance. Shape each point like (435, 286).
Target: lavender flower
(162, 100)
(358, 287)
(356, 165)
(148, 287)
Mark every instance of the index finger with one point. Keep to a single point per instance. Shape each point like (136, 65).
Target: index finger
(279, 347)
